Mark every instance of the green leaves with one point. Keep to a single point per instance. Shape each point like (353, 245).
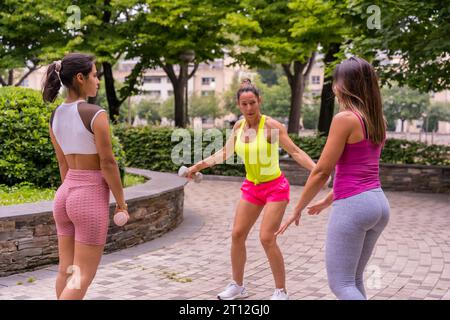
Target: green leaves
(403, 103)
(414, 36)
(26, 151)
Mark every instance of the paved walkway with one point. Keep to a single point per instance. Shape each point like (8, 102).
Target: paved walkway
(411, 261)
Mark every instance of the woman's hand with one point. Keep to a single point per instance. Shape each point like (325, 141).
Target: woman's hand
(295, 216)
(319, 206)
(123, 210)
(192, 171)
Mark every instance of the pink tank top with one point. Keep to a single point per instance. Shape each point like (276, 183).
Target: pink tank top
(357, 170)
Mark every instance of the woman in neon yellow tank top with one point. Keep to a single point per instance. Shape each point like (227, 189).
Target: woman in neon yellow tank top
(255, 139)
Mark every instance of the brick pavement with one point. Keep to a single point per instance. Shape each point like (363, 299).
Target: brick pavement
(411, 260)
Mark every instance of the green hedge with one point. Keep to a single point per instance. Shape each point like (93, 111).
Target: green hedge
(26, 151)
(395, 151)
(151, 147)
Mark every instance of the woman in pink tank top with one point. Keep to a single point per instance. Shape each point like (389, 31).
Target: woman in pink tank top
(353, 148)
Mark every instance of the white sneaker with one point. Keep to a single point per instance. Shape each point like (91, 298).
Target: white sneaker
(233, 292)
(279, 294)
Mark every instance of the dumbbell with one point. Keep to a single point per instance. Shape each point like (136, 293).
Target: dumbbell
(120, 218)
(183, 171)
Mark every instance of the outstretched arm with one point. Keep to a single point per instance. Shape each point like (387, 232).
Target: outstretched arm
(219, 157)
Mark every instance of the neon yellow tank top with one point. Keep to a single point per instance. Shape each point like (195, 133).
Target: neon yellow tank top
(259, 156)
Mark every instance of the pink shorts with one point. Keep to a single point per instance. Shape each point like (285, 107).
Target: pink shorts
(81, 207)
(271, 191)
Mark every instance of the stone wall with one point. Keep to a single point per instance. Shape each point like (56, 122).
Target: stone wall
(28, 236)
(396, 177)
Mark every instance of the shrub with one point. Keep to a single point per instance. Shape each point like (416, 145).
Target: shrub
(26, 152)
(151, 147)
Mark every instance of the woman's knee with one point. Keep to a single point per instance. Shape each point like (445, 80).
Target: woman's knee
(267, 239)
(238, 235)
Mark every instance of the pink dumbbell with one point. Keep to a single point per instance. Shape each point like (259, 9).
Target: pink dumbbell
(120, 218)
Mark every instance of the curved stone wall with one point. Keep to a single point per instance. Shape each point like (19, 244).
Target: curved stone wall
(28, 237)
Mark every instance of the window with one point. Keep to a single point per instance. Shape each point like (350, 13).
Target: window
(169, 93)
(154, 93)
(152, 79)
(206, 81)
(315, 79)
(207, 93)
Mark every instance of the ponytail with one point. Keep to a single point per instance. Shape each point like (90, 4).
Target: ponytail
(63, 72)
(52, 82)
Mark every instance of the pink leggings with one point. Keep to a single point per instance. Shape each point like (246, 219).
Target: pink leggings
(81, 207)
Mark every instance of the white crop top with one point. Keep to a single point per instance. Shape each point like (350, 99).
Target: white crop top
(72, 126)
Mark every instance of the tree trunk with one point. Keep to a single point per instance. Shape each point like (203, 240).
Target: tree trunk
(11, 77)
(297, 88)
(327, 96)
(113, 102)
(180, 115)
(297, 81)
(178, 85)
(180, 90)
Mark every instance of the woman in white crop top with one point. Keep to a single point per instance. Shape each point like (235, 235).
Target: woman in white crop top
(81, 138)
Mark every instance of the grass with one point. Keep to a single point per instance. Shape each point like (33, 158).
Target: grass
(26, 192)
(23, 193)
(131, 180)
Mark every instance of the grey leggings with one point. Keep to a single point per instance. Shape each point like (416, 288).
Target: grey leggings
(354, 226)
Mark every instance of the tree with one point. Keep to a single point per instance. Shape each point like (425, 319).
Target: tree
(205, 106)
(107, 29)
(31, 34)
(286, 33)
(149, 110)
(403, 103)
(229, 97)
(167, 108)
(438, 111)
(276, 100)
(36, 32)
(270, 76)
(176, 34)
(411, 46)
(327, 96)
(330, 22)
(311, 116)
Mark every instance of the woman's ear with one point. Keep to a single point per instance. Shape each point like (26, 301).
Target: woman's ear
(79, 77)
(260, 100)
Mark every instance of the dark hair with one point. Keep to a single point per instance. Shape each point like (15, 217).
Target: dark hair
(247, 86)
(355, 84)
(63, 72)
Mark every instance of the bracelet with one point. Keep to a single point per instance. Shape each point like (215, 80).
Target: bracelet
(125, 206)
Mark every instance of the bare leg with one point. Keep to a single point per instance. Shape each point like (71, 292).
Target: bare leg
(66, 248)
(273, 214)
(86, 261)
(246, 215)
